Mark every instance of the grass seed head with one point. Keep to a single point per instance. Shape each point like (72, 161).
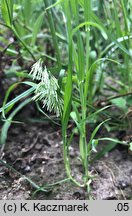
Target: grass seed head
(47, 90)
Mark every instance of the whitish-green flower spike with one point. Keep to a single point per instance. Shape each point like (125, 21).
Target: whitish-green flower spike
(47, 90)
(37, 70)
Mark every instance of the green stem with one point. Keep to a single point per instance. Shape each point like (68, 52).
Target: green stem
(53, 32)
(23, 43)
(87, 11)
(125, 16)
(67, 163)
(12, 28)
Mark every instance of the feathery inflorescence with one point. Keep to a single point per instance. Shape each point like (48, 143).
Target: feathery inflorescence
(48, 90)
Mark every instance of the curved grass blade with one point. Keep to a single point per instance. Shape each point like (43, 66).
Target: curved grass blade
(40, 110)
(10, 89)
(105, 150)
(36, 28)
(90, 73)
(34, 185)
(48, 187)
(94, 133)
(90, 24)
(55, 4)
(109, 147)
(8, 122)
(7, 11)
(18, 98)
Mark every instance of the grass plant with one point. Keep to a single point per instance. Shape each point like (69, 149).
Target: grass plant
(91, 37)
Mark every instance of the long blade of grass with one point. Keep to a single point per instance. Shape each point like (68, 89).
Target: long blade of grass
(93, 135)
(55, 4)
(68, 86)
(27, 10)
(10, 89)
(36, 29)
(18, 98)
(89, 77)
(90, 24)
(110, 36)
(53, 32)
(7, 11)
(107, 148)
(8, 122)
(47, 116)
(34, 185)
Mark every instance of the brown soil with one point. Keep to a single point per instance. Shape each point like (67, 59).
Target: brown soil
(35, 150)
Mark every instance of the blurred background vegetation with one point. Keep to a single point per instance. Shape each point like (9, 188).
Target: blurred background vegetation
(29, 31)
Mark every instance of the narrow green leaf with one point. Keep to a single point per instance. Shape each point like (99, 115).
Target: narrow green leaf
(89, 73)
(36, 28)
(110, 36)
(27, 10)
(68, 86)
(48, 117)
(90, 24)
(18, 98)
(113, 140)
(34, 85)
(7, 11)
(10, 89)
(94, 133)
(34, 185)
(67, 102)
(8, 122)
(55, 4)
(105, 149)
